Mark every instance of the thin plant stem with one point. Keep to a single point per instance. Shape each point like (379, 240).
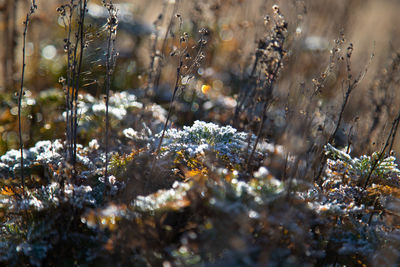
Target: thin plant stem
(177, 81)
(164, 43)
(21, 92)
(267, 102)
(112, 24)
(83, 6)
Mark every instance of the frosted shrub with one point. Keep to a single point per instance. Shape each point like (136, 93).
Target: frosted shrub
(203, 136)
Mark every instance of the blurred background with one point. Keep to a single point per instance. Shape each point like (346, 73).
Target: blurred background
(234, 27)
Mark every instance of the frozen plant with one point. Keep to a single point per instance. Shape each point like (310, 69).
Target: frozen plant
(119, 103)
(162, 198)
(360, 167)
(203, 136)
(48, 152)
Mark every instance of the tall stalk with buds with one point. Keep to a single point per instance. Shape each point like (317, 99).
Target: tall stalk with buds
(74, 45)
